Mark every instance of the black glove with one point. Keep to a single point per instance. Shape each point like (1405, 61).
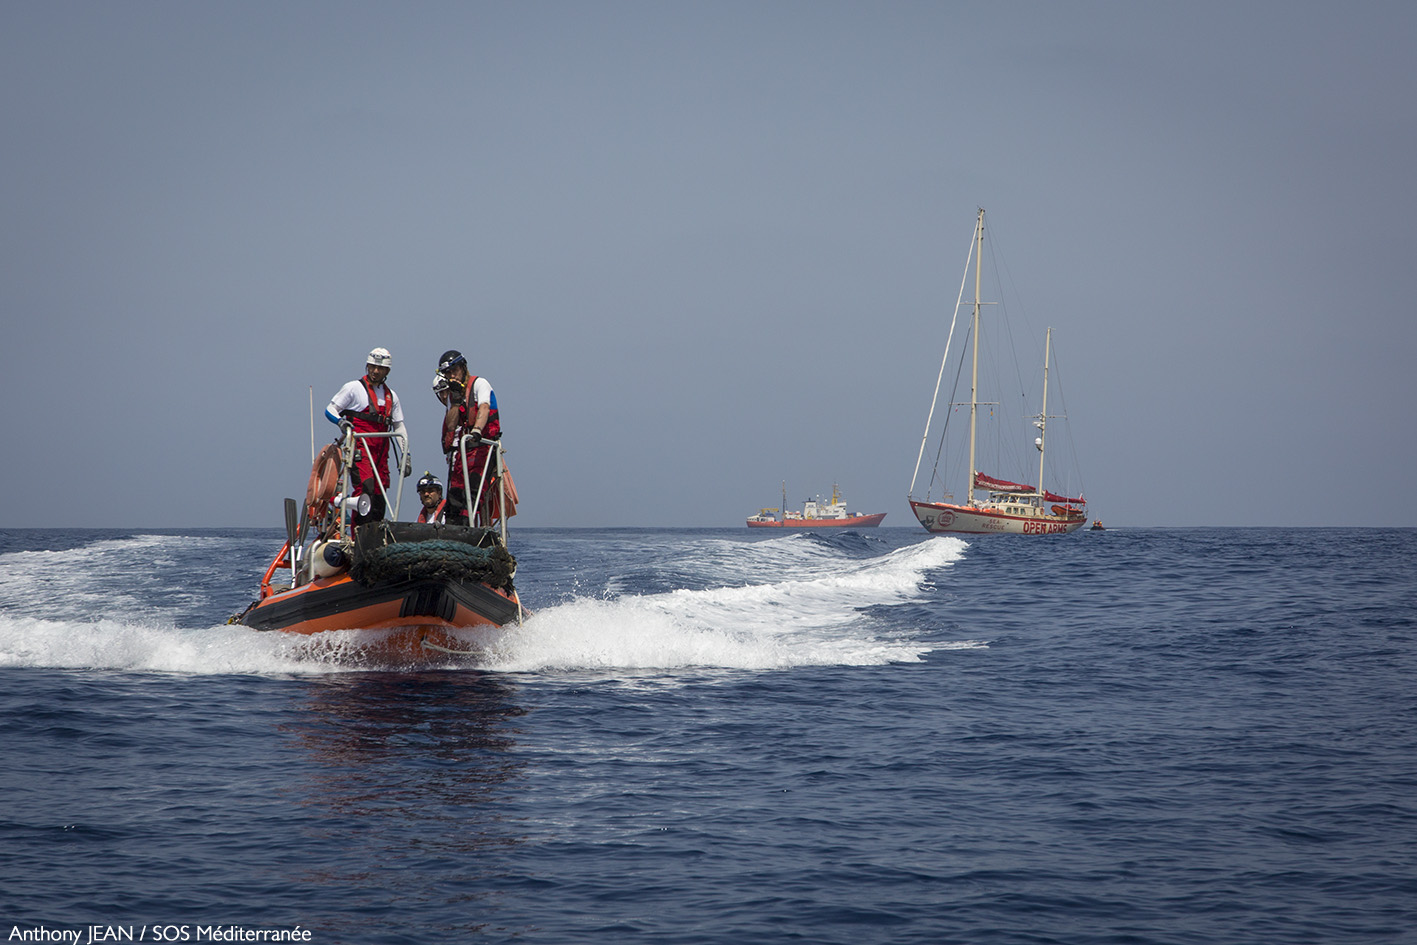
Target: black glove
(456, 394)
(473, 438)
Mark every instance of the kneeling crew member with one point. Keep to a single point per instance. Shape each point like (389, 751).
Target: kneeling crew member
(430, 493)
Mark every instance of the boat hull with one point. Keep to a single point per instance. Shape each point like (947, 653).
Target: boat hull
(851, 521)
(341, 603)
(943, 518)
(398, 620)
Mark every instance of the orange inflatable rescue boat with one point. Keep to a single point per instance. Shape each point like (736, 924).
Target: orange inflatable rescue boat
(414, 585)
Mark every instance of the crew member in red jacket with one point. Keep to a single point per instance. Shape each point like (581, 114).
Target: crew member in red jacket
(372, 407)
(472, 413)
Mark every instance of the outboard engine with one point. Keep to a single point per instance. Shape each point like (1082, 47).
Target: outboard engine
(328, 558)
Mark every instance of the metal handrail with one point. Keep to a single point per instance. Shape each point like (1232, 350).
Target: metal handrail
(351, 438)
(495, 449)
(473, 506)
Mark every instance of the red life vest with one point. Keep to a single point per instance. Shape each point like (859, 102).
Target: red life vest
(467, 415)
(372, 459)
(377, 417)
(437, 515)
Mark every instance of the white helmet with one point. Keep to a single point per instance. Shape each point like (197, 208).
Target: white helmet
(380, 357)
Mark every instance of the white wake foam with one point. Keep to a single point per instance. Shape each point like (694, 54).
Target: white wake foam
(811, 618)
(114, 645)
(779, 603)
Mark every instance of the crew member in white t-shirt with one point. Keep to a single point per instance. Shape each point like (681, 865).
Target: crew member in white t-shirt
(371, 406)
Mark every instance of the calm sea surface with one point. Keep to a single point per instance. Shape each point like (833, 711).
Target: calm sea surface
(720, 736)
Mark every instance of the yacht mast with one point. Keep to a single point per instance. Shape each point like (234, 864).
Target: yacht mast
(1043, 415)
(974, 378)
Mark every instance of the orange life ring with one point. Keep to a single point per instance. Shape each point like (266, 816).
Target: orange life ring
(324, 480)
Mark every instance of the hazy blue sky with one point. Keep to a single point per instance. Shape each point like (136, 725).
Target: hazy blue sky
(700, 248)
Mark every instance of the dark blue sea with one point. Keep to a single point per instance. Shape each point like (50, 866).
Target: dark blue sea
(718, 736)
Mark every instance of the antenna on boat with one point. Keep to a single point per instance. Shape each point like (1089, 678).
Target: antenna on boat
(312, 424)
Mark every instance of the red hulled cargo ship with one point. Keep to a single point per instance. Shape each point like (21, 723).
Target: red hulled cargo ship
(815, 514)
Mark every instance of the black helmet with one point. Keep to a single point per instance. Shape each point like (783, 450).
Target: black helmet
(429, 481)
(450, 359)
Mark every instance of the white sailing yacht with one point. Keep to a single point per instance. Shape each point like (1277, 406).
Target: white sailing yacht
(1009, 507)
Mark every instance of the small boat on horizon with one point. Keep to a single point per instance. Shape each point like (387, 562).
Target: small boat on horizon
(815, 514)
